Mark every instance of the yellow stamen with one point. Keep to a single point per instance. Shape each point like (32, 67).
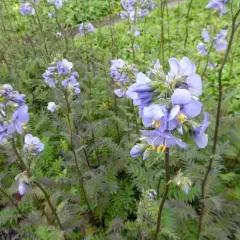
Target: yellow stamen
(153, 147)
(181, 118)
(157, 124)
(161, 148)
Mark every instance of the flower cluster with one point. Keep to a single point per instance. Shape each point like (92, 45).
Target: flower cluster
(86, 28)
(219, 42)
(13, 113)
(168, 105)
(61, 71)
(136, 8)
(122, 73)
(218, 5)
(26, 9)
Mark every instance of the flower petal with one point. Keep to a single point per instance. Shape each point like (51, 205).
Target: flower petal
(192, 109)
(181, 96)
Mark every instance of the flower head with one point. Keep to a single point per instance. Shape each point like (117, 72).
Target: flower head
(218, 5)
(202, 49)
(220, 42)
(201, 138)
(19, 119)
(51, 106)
(32, 145)
(58, 3)
(64, 67)
(205, 35)
(186, 69)
(140, 91)
(86, 28)
(26, 9)
(155, 115)
(71, 84)
(23, 181)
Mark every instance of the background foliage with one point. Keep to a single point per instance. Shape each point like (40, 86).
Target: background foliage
(116, 186)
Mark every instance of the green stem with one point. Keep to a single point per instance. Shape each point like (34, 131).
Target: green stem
(12, 201)
(25, 168)
(167, 170)
(187, 21)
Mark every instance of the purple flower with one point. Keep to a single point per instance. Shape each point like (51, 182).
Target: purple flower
(64, 67)
(205, 35)
(57, 3)
(128, 5)
(161, 140)
(117, 72)
(139, 91)
(135, 31)
(218, 5)
(25, 9)
(186, 68)
(32, 145)
(71, 84)
(86, 28)
(181, 96)
(23, 181)
(202, 49)
(8, 93)
(220, 42)
(212, 65)
(120, 92)
(51, 106)
(155, 115)
(201, 138)
(152, 194)
(136, 150)
(19, 118)
(181, 113)
(143, 12)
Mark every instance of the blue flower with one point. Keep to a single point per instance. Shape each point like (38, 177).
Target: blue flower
(155, 115)
(51, 106)
(57, 3)
(32, 145)
(71, 84)
(19, 119)
(25, 9)
(201, 138)
(86, 28)
(205, 35)
(64, 67)
(11, 95)
(186, 68)
(140, 91)
(159, 141)
(136, 150)
(218, 5)
(184, 108)
(202, 49)
(220, 42)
